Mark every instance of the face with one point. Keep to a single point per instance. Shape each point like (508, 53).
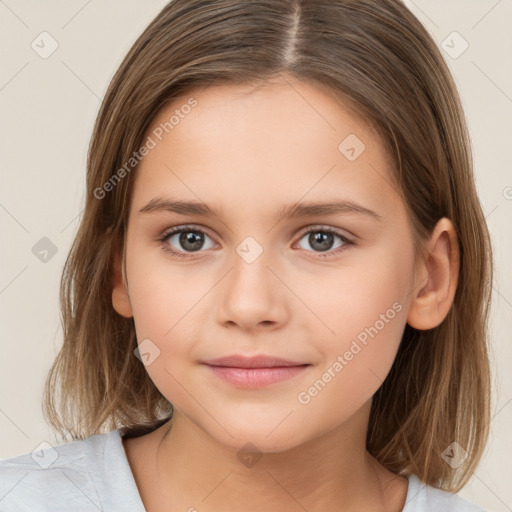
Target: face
(326, 290)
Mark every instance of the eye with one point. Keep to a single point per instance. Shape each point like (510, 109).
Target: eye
(321, 239)
(189, 238)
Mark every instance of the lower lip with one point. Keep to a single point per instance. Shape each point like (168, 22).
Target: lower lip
(256, 377)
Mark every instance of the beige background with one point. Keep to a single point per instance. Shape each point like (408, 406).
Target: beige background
(48, 107)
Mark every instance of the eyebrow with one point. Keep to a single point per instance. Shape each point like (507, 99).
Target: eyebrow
(298, 209)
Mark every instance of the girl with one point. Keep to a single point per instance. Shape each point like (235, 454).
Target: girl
(277, 297)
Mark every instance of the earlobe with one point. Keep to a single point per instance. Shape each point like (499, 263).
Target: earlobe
(120, 297)
(436, 279)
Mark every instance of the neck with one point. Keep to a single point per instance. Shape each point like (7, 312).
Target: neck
(193, 472)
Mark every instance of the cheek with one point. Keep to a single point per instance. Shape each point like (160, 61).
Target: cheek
(355, 365)
(164, 295)
(366, 313)
(369, 290)
(166, 305)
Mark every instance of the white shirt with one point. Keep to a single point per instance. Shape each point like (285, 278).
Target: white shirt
(94, 475)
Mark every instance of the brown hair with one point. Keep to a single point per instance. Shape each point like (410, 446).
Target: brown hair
(379, 58)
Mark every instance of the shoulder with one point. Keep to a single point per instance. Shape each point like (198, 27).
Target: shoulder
(425, 498)
(55, 478)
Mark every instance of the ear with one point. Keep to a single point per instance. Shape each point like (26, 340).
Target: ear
(438, 276)
(120, 297)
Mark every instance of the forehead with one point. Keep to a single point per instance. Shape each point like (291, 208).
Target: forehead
(305, 109)
(279, 139)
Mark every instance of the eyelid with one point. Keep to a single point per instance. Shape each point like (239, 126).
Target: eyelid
(306, 229)
(329, 229)
(186, 227)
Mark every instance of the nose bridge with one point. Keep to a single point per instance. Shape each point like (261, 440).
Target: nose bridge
(251, 249)
(252, 294)
(258, 255)
(250, 262)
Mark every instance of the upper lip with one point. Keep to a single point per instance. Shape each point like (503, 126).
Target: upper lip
(260, 361)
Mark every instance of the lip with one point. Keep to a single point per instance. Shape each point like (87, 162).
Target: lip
(256, 371)
(259, 361)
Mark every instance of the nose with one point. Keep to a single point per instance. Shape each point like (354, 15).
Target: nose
(253, 296)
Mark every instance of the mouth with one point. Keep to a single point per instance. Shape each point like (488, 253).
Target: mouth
(254, 372)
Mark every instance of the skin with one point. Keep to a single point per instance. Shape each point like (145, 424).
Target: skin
(250, 150)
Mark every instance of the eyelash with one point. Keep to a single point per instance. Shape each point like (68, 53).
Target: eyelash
(180, 229)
